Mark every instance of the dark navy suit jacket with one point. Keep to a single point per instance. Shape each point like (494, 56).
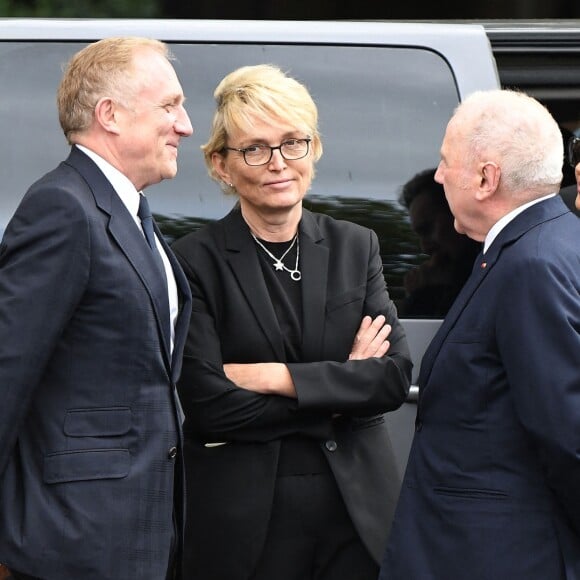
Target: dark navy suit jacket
(88, 410)
(492, 487)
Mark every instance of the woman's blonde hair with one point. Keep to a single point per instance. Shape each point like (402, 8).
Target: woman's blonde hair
(264, 92)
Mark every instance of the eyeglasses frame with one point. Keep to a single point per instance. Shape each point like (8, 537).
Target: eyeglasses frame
(272, 149)
(573, 151)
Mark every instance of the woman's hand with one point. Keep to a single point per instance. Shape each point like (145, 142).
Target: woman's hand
(371, 339)
(275, 379)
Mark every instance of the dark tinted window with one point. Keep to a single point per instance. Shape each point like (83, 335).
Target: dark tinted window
(543, 59)
(383, 112)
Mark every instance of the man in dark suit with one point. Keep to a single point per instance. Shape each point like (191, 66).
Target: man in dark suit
(577, 172)
(571, 193)
(93, 317)
(491, 487)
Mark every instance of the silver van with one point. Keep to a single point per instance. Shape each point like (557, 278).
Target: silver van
(385, 92)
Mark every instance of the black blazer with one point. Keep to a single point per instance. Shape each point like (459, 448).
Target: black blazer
(231, 486)
(89, 409)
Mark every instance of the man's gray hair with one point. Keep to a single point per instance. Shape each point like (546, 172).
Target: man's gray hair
(521, 133)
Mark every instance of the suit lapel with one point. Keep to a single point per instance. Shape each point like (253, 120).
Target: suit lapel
(522, 223)
(243, 259)
(183, 316)
(125, 231)
(481, 268)
(314, 266)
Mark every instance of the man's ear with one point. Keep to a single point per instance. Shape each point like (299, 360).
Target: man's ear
(106, 115)
(490, 174)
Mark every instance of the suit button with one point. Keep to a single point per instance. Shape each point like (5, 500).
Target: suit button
(418, 426)
(172, 453)
(331, 445)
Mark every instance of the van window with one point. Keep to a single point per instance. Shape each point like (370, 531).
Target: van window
(383, 112)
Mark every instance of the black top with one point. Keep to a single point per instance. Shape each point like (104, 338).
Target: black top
(298, 454)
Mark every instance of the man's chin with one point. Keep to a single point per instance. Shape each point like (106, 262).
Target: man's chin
(170, 171)
(458, 228)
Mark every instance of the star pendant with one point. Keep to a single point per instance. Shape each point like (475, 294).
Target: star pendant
(278, 265)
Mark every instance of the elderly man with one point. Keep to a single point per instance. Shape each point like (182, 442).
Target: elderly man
(491, 490)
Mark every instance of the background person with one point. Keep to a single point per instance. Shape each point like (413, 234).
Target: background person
(92, 332)
(491, 486)
(290, 469)
(569, 192)
(431, 287)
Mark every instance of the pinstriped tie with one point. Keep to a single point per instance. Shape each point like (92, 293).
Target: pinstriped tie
(146, 218)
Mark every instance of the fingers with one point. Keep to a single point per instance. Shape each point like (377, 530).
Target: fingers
(371, 339)
(382, 349)
(363, 328)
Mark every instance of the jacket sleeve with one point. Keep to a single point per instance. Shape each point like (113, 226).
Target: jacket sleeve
(215, 408)
(360, 387)
(44, 266)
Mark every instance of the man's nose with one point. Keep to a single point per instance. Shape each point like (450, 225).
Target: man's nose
(182, 123)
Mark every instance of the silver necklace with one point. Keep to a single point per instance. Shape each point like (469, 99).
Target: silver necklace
(295, 274)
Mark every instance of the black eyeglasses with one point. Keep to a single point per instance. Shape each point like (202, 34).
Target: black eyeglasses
(574, 151)
(291, 149)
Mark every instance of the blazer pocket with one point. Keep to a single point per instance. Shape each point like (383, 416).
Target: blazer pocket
(359, 423)
(86, 464)
(352, 295)
(470, 493)
(105, 422)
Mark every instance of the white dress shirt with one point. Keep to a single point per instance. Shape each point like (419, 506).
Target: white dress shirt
(506, 219)
(130, 198)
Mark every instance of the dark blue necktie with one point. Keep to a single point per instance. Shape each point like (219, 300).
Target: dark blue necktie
(146, 218)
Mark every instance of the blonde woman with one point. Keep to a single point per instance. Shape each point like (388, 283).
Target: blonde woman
(294, 353)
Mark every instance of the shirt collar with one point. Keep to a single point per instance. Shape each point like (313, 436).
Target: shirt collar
(120, 182)
(506, 219)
